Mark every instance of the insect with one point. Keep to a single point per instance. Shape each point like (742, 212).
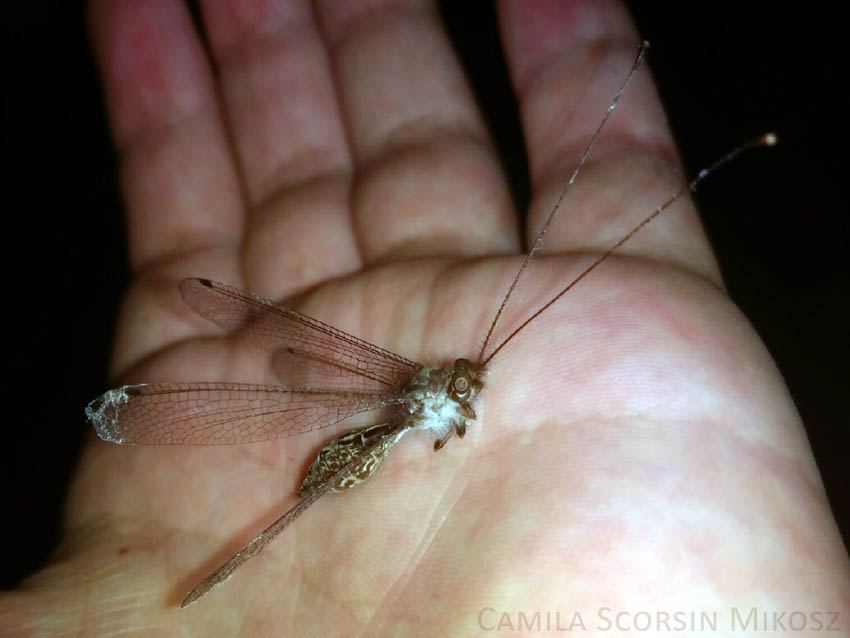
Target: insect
(342, 377)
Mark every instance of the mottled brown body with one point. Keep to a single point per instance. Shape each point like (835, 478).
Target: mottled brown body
(436, 399)
(344, 449)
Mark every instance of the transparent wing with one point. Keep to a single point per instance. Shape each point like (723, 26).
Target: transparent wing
(306, 352)
(221, 413)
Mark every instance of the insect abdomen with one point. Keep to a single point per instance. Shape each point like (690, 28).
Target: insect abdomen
(344, 449)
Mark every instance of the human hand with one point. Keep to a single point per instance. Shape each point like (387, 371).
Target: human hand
(635, 447)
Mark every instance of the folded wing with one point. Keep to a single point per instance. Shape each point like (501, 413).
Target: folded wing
(306, 352)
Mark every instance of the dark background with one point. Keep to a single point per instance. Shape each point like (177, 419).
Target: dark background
(777, 218)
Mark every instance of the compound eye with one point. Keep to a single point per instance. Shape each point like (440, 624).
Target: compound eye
(461, 386)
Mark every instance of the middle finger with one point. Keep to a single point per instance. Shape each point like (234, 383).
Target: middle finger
(428, 181)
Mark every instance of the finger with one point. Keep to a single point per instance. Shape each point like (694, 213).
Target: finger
(178, 180)
(428, 181)
(280, 101)
(567, 61)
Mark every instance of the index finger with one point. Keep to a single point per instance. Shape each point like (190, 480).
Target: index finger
(179, 181)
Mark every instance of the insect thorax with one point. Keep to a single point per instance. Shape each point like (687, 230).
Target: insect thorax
(437, 400)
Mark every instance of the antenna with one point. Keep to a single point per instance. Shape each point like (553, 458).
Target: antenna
(538, 242)
(768, 139)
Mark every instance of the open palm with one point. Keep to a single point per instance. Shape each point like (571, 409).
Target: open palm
(635, 448)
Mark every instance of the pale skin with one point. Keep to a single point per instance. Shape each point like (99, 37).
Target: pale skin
(635, 447)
